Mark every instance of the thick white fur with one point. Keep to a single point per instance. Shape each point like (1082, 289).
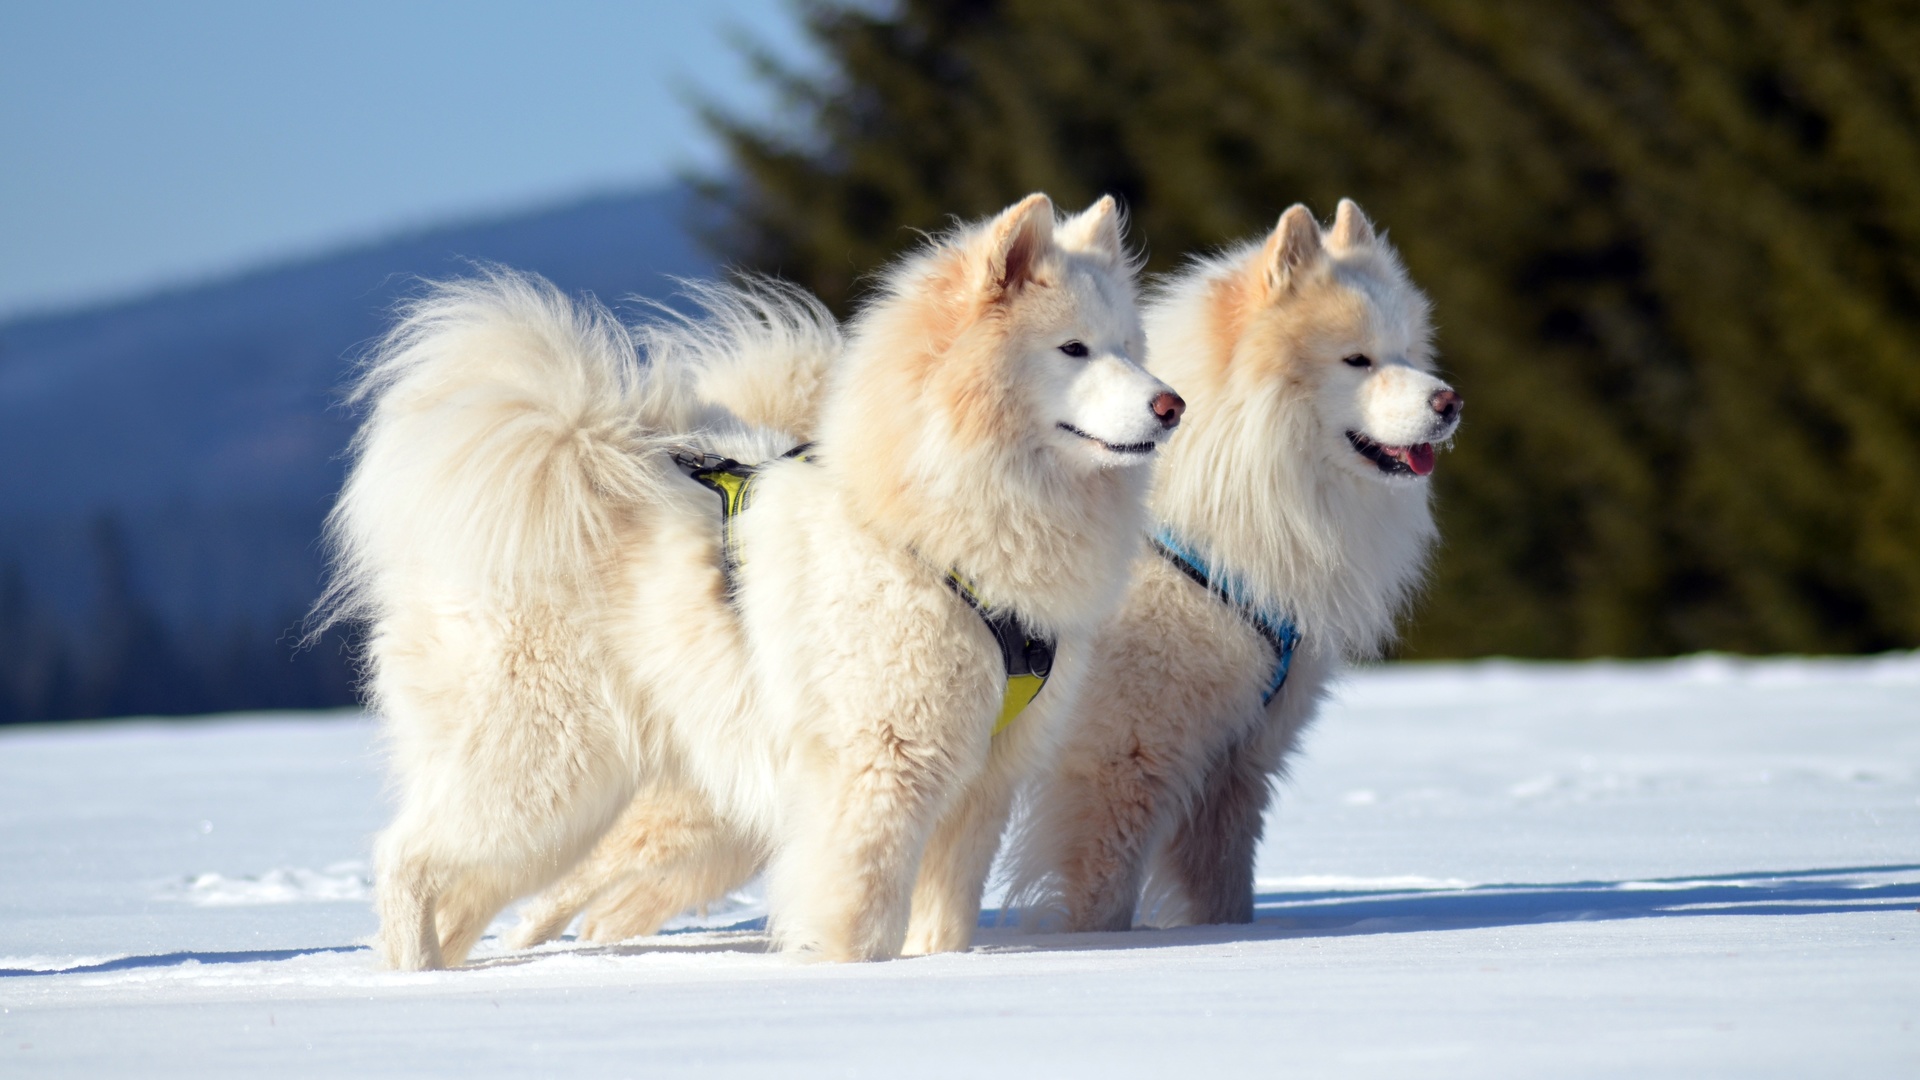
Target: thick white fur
(1168, 763)
(1169, 755)
(550, 627)
(759, 351)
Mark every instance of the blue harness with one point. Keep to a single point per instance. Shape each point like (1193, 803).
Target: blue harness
(1278, 630)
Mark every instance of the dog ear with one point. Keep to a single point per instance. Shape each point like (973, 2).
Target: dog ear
(1293, 247)
(1016, 240)
(1096, 231)
(1351, 229)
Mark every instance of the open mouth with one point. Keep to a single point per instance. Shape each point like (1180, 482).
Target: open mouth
(1415, 460)
(1117, 448)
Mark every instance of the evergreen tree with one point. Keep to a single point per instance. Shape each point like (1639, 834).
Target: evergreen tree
(135, 666)
(1670, 247)
(34, 678)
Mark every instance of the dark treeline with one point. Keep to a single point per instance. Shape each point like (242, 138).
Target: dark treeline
(123, 659)
(1672, 249)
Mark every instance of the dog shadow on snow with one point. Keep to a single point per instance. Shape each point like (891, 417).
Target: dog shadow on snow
(747, 937)
(1320, 913)
(1330, 912)
(1280, 914)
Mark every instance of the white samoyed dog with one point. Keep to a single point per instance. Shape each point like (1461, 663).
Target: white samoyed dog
(1292, 526)
(561, 615)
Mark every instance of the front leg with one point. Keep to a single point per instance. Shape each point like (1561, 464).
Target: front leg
(1094, 825)
(1208, 858)
(1169, 687)
(840, 888)
(959, 856)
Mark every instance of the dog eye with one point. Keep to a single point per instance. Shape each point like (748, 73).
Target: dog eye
(1075, 349)
(1358, 360)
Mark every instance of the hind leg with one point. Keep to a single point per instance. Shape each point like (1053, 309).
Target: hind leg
(722, 864)
(490, 809)
(466, 908)
(406, 886)
(436, 894)
(547, 915)
(667, 853)
(437, 897)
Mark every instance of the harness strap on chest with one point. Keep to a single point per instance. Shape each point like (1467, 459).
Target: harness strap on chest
(733, 482)
(1278, 630)
(1028, 658)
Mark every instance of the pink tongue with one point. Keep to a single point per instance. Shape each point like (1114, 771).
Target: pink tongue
(1420, 458)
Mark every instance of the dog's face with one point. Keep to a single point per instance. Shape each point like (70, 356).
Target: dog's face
(1058, 311)
(1341, 323)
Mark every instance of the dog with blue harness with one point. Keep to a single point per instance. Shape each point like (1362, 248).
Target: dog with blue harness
(1295, 527)
(1278, 630)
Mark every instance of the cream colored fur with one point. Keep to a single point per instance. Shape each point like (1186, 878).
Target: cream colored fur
(1167, 769)
(550, 630)
(1169, 755)
(761, 351)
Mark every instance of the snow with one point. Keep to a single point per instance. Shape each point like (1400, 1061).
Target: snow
(1703, 867)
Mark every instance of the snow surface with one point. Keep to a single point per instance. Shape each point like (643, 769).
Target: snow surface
(1705, 867)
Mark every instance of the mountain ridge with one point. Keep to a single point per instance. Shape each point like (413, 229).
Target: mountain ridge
(172, 454)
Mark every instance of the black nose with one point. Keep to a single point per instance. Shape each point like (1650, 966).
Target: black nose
(1447, 404)
(1168, 407)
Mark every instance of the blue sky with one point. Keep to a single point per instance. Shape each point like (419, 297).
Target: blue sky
(145, 144)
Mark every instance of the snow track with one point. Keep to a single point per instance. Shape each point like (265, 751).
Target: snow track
(1693, 868)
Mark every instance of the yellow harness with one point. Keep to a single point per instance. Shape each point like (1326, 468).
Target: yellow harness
(1027, 656)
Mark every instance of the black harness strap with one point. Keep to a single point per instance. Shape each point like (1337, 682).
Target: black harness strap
(1027, 656)
(733, 482)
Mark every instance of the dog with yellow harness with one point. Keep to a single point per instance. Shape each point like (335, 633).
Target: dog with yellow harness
(561, 617)
(670, 852)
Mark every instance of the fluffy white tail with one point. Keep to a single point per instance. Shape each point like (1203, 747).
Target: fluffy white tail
(508, 432)
(510, 429)
(760, 350)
